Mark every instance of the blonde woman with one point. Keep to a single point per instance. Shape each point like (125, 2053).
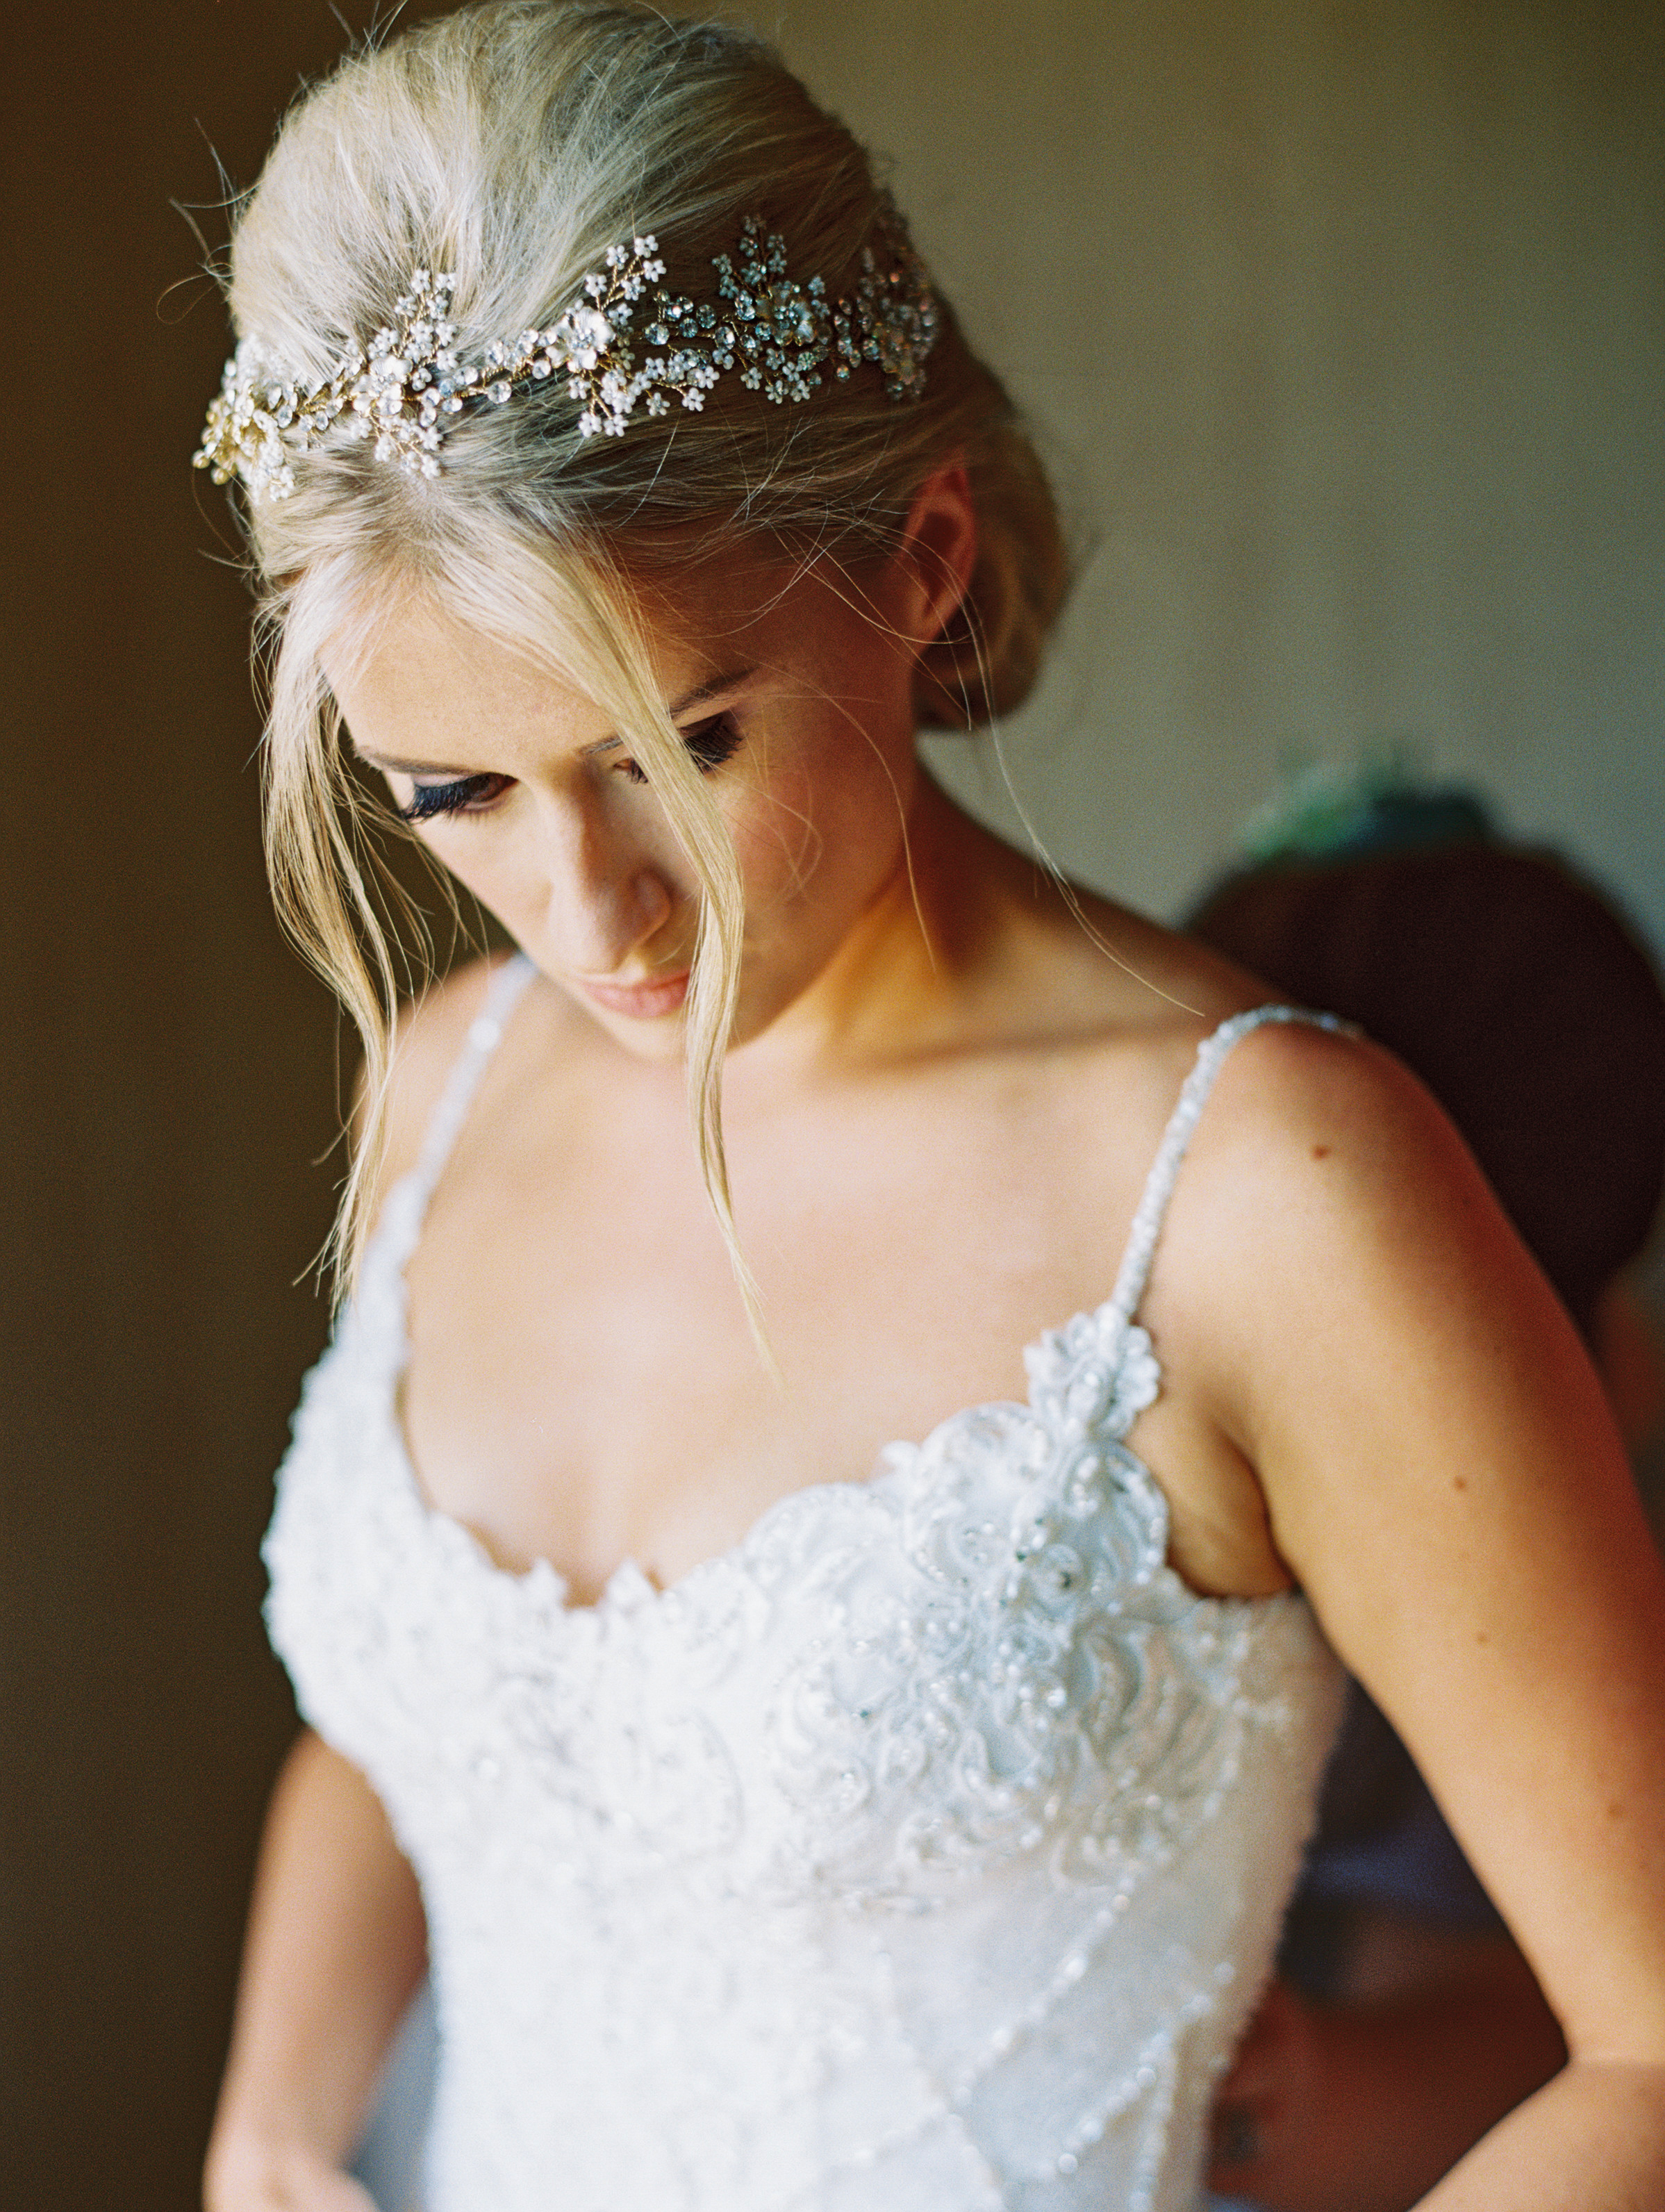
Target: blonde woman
(794, 1817)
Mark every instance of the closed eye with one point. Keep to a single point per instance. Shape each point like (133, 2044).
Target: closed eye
(708, 744)
(466, 794)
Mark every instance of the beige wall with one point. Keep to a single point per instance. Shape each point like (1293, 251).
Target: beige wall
(1344, 327)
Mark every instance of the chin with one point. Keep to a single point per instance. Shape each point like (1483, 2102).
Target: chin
(658, 1041)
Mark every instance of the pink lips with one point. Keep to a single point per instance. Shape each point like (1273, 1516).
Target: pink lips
(643, 1002)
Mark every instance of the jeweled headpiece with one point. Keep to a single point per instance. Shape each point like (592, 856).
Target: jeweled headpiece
(407, 389)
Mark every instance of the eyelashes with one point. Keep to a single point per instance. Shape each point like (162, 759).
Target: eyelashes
(469, 794)
(708, 745)
(712, 742)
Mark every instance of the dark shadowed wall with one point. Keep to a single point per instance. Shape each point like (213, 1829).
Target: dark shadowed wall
(1347, 327)
(169, 1080)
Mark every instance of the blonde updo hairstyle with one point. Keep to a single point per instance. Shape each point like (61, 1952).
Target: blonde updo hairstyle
(512, 144)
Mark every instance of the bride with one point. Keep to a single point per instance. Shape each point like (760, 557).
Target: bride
(794, 1817)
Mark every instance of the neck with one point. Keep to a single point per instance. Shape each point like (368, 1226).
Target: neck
(901, 980)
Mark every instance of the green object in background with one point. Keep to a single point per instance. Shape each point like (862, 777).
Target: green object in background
(1328, 810)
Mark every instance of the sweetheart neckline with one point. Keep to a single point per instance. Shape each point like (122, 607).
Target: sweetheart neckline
(891, 1460)
(394, 1239)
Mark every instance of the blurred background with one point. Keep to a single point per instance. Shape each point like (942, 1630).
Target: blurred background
(1343, 329)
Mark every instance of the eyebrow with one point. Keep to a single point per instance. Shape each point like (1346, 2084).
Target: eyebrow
(731, 680)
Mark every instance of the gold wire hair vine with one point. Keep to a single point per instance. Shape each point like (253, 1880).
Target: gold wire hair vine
(407, 388)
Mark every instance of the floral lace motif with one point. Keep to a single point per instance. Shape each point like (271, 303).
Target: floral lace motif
(922, 1853)
(1008, 1662)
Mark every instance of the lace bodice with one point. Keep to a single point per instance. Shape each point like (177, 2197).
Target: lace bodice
(923, 1853)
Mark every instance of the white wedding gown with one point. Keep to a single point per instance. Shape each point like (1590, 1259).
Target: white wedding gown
(923, 1853)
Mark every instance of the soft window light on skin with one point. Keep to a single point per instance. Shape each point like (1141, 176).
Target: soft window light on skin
(520, 784)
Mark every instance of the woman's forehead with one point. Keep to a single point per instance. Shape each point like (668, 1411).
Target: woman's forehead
(704, 629)
(430, 681)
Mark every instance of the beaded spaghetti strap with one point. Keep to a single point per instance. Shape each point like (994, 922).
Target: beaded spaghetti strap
(485, 1034)
(1152, 1209)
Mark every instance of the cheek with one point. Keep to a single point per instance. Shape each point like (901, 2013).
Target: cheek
(778, 841)
(460, 853)
(492, 866)
(825, 833)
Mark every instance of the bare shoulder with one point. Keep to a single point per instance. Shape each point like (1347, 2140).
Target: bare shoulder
(1301, 1115)
(1321, 1170)
(1344, 1280)
(1312, 1128)
(432, 1033)
(1107, 970)
(1126, 1005)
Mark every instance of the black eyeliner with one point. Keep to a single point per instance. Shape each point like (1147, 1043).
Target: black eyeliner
(430, 800)
(710, 744)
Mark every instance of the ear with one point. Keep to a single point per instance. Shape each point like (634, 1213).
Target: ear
(932, 567)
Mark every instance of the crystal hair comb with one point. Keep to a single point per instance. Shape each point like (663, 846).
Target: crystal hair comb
(408, 389)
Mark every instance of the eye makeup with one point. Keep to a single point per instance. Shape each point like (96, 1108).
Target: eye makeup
(708, 744)
(468, 794)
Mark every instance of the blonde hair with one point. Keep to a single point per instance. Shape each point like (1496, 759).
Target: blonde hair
(512, 143)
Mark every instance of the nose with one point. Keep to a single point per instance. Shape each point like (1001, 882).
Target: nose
(604, 898)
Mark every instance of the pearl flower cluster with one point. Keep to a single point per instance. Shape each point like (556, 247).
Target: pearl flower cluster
(403, 390)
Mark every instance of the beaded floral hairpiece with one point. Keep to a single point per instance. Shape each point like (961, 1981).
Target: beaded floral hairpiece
(408, 388)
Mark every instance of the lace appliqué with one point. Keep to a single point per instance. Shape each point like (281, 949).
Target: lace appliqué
(928, 1848)
(1000, 1688)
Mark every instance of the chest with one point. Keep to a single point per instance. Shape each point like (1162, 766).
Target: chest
(583, 1385)
(979, 1652)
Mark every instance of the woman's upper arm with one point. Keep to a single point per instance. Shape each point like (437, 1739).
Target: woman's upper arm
(1444, 1480)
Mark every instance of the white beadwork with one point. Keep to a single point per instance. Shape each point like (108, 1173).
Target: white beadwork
(923, 1853)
